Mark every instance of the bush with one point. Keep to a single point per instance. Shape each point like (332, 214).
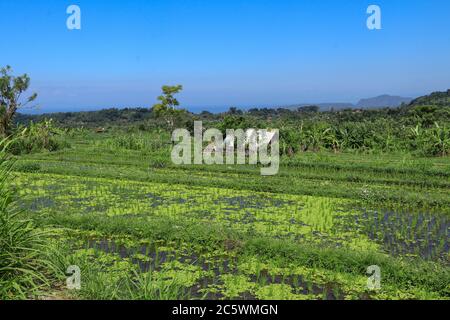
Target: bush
(37, 137)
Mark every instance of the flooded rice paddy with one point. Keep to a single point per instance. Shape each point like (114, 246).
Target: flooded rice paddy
(223, 273)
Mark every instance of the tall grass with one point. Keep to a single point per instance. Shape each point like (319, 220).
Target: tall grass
(141, 141)
(21, 245)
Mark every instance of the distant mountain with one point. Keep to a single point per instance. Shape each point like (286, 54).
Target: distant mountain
(383, 101)
(376, 102)
(435, 98)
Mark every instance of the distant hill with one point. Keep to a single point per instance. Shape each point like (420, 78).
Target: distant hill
(435, 98)
(383, 101)
(370, 103)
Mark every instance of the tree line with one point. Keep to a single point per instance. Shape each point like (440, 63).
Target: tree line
(422, 127)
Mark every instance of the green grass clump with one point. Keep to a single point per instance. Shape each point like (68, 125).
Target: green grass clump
(23, 266)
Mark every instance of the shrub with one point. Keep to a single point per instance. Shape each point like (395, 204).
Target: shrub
(37, 137)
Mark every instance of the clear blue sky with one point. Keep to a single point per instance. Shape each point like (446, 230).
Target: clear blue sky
(229, 52)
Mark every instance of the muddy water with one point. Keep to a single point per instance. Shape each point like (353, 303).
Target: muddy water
(154, 260)
(404, 233)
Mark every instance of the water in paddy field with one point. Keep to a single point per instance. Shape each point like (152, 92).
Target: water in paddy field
(406, 233)
(319, 220)
(150, 259)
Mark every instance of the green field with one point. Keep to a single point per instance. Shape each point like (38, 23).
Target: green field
(140, 227)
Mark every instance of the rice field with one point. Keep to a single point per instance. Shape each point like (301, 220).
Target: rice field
(141, 228)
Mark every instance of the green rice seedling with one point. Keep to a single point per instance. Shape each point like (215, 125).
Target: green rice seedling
(263, 280)
(144, 286)
(324, 293)
(296, 281)
(336, 292)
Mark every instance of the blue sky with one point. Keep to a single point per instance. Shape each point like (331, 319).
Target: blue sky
(224, 53)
